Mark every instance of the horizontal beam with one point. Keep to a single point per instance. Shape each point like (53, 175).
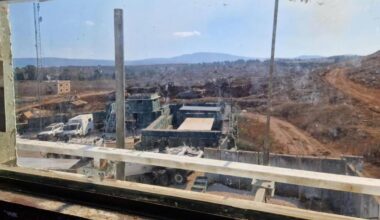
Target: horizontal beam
(277, 174)
(21, 1)
(77, 181)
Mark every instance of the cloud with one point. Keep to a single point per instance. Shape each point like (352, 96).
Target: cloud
(184, 34)
(89, 23)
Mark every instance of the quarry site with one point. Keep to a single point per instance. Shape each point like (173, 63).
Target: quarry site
(180, 140)
(321, 107)
(326, 118)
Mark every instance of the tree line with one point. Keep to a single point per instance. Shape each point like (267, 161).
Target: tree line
(30, 72)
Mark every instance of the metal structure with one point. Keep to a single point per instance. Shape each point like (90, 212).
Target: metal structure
(37, 37)
(201, 126)
(140, 111)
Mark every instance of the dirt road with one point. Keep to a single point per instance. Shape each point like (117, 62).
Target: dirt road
(294, 139)
(368, 96)
(59, 99)
(339, 80)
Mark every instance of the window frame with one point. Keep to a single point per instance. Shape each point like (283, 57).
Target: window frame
(157, 195)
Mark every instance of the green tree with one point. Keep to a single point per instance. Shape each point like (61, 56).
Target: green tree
(19, 73)
(31, 72)
(65, 75)
(97, 74)
(81, 76)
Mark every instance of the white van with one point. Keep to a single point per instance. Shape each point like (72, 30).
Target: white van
(80, 125)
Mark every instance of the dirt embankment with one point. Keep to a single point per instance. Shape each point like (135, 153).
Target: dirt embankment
(370, 96)
(286, 137)
(369, 105)
(366, 71)
(57, 99)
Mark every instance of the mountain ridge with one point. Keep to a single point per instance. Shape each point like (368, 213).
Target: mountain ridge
(200, 57)
(193, 58)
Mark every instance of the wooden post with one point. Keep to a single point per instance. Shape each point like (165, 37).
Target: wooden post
(120, 88)
(267, 141)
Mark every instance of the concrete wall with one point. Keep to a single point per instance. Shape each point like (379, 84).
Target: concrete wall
(344, 203)
(174, 138)
(7, 138)
(161, 132)
(162, 122)
(143, 106)
(143, 111)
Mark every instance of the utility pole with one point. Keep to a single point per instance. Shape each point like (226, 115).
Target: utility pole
(120, 88)
(37, 36)
(267, 141)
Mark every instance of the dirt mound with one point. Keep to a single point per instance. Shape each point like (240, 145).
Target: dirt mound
(367, 71)
(345, 128)
(286, 137)
(339, 80)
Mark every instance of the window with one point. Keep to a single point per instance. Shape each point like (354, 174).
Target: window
(201, 121)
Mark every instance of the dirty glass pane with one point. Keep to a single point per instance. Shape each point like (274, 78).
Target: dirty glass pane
(197, 84)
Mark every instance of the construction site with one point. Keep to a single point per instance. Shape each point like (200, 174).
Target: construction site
(221, 140)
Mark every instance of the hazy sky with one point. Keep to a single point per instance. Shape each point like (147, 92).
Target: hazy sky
(165, 28)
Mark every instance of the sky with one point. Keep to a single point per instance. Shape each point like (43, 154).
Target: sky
(167, 28)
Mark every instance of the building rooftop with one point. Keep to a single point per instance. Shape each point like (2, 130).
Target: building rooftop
(200, 108)
(143, 96)
(56, 81)
(197, 124)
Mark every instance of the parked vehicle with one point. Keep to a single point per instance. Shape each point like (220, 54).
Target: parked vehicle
(50, 132)
(161, 175)
(80, 125)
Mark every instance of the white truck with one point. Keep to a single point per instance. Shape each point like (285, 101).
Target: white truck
(80, 125)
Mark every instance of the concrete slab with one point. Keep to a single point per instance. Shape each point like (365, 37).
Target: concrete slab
(197, 124)
(201, 108)
(46, 163)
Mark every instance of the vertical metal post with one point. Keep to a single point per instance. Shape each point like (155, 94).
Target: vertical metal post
(267, 141)
(120, 88)
(37, 37)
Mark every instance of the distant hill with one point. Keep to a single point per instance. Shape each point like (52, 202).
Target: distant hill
(56, 62)
(202, 57)
(309, 57)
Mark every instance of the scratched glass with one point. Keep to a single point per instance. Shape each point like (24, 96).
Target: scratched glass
(200, 83)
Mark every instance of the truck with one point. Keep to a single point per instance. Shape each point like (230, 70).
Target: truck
(161, 175)
(78, 126)
(144, 173)
(50, 132)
